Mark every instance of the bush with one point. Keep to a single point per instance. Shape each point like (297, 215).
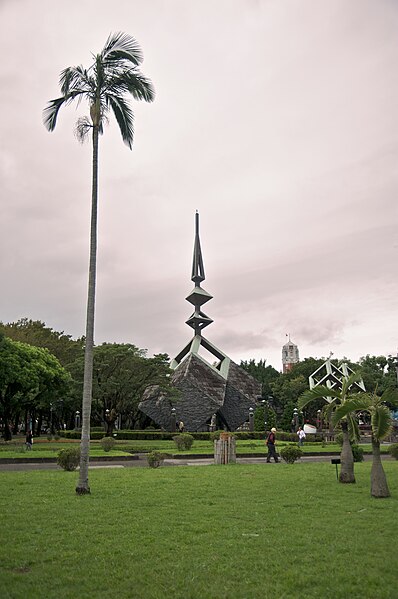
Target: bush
(290, 454)
(393, 450)
(357, 453)
(215, 435)
(155, 459)
(107, 443)
(69, 458)
(183, 441)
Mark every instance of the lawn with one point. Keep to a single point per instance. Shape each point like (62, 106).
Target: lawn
(44, 448)
(209, 532)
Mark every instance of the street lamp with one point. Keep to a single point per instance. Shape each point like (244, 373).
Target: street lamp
(173, 420)
(319, 420)
(264, 413)
(77, 419)
(295, 419)
(251, 420)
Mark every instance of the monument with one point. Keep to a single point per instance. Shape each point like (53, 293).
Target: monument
(220, 391)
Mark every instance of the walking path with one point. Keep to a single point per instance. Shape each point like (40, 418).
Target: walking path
(142, 462)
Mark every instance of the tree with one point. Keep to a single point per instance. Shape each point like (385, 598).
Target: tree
(35, 332)
(104, 86)
(349, 425)
(378, 371)
(381, 422)
(121, 373)
(262, 373)
(30, 377)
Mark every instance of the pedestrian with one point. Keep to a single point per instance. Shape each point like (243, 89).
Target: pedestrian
(301, 436)
(29, 440)
(271, 439)
(181, 426)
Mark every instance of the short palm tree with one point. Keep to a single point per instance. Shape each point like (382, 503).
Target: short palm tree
(349, 425)
(381, 422)
(104, 85)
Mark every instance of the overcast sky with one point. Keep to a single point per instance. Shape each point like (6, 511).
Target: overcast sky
(276, 119)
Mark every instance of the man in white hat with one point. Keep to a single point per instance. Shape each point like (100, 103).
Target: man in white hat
(270, 442)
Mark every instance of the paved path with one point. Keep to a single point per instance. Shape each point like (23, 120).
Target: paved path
(142, 462)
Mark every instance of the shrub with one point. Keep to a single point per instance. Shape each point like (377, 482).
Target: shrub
(290, 454)
(183, 441)
(155, 459)
(69, 458)
(107, 443)
(215, 435)
(393, 450)
(339, 439)
(357, 453)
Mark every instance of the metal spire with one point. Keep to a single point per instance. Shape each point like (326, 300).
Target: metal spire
(198, 296)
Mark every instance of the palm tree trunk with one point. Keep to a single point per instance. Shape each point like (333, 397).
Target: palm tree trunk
(347, 459)
(83, 484)
(378, 480)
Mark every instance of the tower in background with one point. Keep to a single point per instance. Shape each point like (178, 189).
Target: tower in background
(290, 355)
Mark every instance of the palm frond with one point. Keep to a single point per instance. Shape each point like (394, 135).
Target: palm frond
(121, 46)
(353, 427)
(82, 129)
(381, 422)
(73, 78)
(139, 86)
(354, 377)
(390, 396)
(50, 113)
(316, 393)
(125, 118)
(356, 403)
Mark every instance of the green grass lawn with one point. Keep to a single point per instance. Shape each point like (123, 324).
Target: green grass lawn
(208, 532)
(44, 448)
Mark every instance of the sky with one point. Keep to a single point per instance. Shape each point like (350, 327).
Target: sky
(276, 119)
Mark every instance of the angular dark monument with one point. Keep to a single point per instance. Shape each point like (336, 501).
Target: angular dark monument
(222, 389)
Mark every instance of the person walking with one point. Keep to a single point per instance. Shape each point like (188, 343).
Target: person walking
(270, 442)
(29, 440)
(301, 436)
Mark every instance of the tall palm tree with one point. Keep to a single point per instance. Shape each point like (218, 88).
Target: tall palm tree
(381, 422)
(349, 425)
(104, 85)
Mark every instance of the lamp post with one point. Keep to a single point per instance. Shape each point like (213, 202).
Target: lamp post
(265, 413)
(51, 419)
(173, 420)
(251, 420)
(319, 420)
(295, 419)
(77, 419)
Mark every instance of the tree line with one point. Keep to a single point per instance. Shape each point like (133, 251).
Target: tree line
(41, 380)
(280, 391)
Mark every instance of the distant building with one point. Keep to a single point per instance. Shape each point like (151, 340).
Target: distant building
(290, 355)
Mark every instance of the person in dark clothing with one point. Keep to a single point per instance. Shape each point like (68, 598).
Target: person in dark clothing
(271, 446)
(29, 440)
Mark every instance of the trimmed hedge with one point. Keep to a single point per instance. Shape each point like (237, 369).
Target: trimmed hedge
(153, 435)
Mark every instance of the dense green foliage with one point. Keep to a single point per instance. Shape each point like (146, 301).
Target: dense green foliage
(69, 458)
(107, 443)
(183, 441)
(30, 380)
(155, 459)
(290, 453)
(394, 450)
